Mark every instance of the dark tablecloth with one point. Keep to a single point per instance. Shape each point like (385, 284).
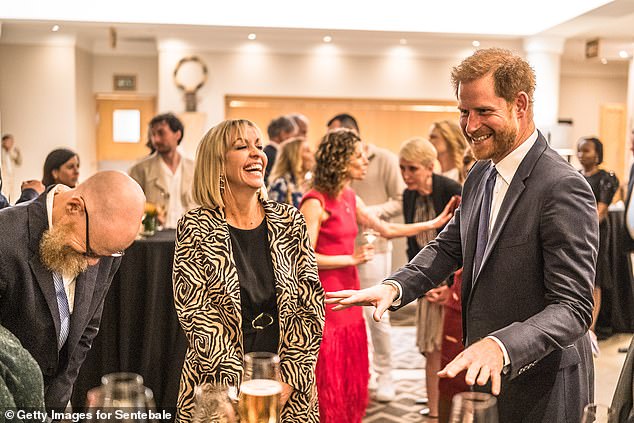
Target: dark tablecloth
(139, 329)
(617, 305)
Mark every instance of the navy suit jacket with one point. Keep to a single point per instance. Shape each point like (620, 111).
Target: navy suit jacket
(534, 288)
(28, 305)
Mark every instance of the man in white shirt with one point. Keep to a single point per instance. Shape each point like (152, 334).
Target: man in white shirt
(58, 255)
(527, 236)
(166, 175)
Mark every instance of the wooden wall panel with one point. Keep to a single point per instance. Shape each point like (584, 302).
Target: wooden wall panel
(386, 123)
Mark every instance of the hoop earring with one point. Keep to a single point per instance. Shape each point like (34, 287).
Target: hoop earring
(222, 183)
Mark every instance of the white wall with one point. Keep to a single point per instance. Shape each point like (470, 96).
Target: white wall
(37, 101)
(85, 114)
(316, 75)
(583, 89)
(145, 69)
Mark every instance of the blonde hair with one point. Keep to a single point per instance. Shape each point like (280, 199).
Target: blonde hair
(289, 160)
(418, 150)
(456, 142)
(210, 161)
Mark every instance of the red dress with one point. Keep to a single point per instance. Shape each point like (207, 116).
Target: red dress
(342, 367)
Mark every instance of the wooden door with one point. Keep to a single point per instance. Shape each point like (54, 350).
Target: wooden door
(108, 107)
(612, 129)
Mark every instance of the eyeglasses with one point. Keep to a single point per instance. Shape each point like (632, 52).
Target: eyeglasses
(89, 253)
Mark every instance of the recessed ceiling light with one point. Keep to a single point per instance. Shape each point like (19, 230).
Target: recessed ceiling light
(604, 60)
(327, 39)
(475, 43)
(55, 28)
(403, 41)
(623, 54)
(252, 36)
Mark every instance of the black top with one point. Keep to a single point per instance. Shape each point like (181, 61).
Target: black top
(604, 185)
(260, 325)
(443, 189)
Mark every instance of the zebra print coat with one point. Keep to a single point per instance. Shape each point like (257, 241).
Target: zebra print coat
(207, 300)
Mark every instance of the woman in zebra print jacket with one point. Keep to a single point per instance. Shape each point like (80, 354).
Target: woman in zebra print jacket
(245, 277)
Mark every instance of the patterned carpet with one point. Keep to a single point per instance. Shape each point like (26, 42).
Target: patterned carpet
(408, 371)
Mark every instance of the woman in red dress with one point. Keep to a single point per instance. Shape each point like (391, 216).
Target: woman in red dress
(332, 211)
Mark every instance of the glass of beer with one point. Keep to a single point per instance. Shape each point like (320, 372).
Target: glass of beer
(260, 391)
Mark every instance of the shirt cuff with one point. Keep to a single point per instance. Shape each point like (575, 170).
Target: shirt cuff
(397, 301)
(507, 359)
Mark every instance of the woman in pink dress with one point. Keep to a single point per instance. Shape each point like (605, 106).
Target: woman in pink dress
(332, 211)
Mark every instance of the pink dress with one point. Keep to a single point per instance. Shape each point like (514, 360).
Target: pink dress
(342, 367)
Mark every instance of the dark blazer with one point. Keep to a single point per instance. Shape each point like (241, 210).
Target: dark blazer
(628, 242)
(534, 289)
(443, 189)
(271, 155)
(28, 305)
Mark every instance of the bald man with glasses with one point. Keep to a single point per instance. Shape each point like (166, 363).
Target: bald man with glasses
(56, 264)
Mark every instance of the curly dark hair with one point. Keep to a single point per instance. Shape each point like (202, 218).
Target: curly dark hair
(332, 158)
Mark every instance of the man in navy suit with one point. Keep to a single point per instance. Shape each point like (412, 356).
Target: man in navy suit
(527, 236)
(58, 255)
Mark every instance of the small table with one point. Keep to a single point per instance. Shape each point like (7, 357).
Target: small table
(139, 330)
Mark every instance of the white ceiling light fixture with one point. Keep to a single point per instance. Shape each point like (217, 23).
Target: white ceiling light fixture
(327, 39)
(55, 28)
(475, 43)
(623, 54)
(252, 36)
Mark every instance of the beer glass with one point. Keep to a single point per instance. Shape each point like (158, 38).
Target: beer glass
(596, 413)
(260, 391)
(213, 404)
(473, 407)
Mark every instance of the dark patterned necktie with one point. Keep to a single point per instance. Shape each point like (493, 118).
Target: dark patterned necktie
(64, 309)
(483, 223)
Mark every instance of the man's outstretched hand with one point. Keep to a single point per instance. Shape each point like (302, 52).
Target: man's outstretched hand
(380, 296)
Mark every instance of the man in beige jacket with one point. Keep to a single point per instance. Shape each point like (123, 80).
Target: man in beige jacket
(166, 176)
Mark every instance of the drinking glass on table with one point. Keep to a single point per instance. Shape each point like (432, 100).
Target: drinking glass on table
(473, 407)
(123, 393)
(259, 400)
(214, 404)
(596, 413)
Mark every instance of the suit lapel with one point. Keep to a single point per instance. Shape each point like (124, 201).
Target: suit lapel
(84, 289)
(513, 194)
(471, 218)
(155, 175)
(38, 223)
(44, 279)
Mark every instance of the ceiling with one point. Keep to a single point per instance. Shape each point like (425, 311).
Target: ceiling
(421, 28)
